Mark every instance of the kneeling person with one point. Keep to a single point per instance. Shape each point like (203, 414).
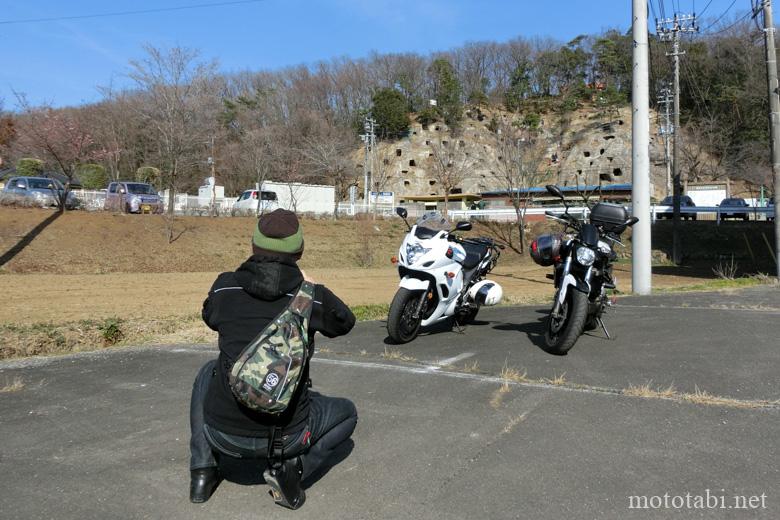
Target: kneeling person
(312, 427)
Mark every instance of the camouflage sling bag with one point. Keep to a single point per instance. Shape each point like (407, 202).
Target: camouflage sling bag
(268, 371)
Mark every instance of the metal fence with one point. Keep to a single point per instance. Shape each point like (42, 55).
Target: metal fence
(94, 200)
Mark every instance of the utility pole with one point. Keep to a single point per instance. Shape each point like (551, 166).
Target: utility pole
(369, 141)
(641, 274)
(774, 111)
(666, 129)
(212, 162)
(669, 29)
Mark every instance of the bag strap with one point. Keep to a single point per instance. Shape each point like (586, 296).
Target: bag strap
(275, 451)
(303, 300)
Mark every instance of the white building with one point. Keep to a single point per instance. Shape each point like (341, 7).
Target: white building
(303, 198)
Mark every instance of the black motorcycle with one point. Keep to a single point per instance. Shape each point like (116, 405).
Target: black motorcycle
(583, 257)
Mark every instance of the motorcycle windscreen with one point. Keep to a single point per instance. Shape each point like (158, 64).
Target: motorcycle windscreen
(590, 235)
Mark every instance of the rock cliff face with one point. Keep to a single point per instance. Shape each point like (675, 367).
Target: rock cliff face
(588, 148)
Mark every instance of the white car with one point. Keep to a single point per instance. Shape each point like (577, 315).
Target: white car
(247, 202)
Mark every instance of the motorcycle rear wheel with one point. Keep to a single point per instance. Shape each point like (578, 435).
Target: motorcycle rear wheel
(402, 327)
(562, 333)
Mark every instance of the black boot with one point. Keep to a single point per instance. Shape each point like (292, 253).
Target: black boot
(284, 479)
(203, 482)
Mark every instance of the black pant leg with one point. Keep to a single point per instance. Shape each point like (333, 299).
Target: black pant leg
(201, 455)
(331, 422)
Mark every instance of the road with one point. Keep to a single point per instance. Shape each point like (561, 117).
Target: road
(104, 435)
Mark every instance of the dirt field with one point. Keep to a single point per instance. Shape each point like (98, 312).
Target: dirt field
(31, 298)
(100, 265)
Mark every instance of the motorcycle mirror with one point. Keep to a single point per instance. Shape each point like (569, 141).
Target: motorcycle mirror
(632, 221)
(555, 191)
(401, 212)
(463, 226)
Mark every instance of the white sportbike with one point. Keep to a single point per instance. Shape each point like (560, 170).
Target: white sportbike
(442, 276)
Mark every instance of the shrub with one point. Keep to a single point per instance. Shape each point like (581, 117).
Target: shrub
(92, 176)
(29, 167)
(111, 331)
(148, 174)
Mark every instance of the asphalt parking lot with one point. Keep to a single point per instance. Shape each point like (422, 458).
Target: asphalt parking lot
(104, 435)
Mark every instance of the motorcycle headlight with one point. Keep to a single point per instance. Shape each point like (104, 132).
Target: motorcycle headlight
(586, 256)
(604, 248)
(414, 251)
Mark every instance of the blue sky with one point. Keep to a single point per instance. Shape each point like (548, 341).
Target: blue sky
(63, 62)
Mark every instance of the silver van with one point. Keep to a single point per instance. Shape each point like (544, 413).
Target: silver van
(37, 191)
(132, 197)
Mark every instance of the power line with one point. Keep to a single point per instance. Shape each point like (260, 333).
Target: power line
(736, 22)
(705, 9)
(126, 13)
(721, 16)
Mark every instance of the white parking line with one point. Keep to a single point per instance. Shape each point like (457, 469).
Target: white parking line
(480, 378)
(700, 308)
(454, 359)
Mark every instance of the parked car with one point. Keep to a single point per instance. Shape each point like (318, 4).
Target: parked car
(38, 191)
(734, 207)
(771, 205)
(247, 202)
(132, 197)
(685, 202)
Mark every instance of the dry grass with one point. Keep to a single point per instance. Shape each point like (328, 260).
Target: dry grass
(498, 396)
(726, 269)
(648, 391)
(396, 355)
(698, 396)
(471, 368)
(557, 380)
(15, 385)
(705, 398)
(512, 374)
(50, 338)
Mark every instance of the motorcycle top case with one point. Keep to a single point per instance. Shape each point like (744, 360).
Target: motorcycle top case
(546, 248)
(609, 216)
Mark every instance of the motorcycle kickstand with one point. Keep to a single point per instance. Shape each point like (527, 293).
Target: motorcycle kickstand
(603, 327)
(460, 330)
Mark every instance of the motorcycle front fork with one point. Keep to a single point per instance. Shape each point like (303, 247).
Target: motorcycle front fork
(420, 304)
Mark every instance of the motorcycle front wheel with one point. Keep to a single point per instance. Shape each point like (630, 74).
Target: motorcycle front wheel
(402, 326)
(563, 331)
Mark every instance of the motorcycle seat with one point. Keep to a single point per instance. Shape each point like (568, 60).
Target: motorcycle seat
(474, 254)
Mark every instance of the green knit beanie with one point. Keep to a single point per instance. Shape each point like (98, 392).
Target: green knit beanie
(278, 232)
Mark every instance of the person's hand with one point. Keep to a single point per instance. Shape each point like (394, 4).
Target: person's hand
(307, 277)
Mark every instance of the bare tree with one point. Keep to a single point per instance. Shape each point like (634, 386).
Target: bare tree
(59, 138)
(172, 82)
(519, 167)
(328, 156)
(7, 132)
(381, 170)
(450, 163)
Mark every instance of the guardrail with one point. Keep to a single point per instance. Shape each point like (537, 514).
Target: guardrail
(509, 214)
(716, 213)
(713, 213)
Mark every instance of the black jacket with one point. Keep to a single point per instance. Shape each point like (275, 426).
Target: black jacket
(239, 305)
